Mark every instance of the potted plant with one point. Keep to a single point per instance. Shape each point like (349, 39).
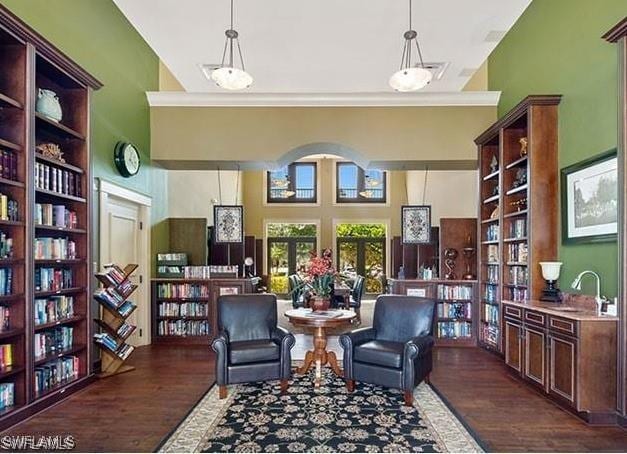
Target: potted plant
(319, 278)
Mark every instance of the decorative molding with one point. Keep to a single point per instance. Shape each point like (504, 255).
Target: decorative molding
(383, 99)
(616, 32)
(127, 194)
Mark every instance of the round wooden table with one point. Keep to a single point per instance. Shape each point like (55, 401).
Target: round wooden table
(307, 318)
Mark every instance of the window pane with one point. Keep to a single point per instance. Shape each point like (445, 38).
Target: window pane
(305, 183)
(279, 182)
(374, 184)
(347, 181)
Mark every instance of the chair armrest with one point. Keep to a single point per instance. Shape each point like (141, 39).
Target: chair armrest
(418, 346)
(220, 345)
(348, 342)
(287, 341)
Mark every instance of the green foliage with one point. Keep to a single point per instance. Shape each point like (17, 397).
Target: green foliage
(278, 284)
(291, 230)
(361, 230)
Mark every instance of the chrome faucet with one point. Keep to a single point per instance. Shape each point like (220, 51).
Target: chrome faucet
(598, 298)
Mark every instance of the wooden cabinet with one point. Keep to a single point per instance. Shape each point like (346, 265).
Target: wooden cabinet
(572, 360)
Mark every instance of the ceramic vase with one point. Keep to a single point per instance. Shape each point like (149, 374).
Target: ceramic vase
(320, 303)
(48, 104)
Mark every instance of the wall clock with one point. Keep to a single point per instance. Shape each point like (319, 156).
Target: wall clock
(126, 158)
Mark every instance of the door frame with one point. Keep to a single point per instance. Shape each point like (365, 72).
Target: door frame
(107, 189)
(383, 221)
(266, 222)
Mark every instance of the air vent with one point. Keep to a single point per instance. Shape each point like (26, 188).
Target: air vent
(437, 69)
(494, 36)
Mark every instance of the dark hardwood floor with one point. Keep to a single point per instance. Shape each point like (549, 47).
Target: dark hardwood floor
(135, 411)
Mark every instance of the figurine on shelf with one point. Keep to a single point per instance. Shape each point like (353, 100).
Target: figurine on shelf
(450, 254)
(469, 253)
(494, 164)
(48, 104)
(495, 190)
(520, 204)
(524, 142)
(520, 179)
(495, 213)
(51, 150)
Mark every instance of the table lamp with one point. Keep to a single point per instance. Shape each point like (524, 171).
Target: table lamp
(550, 273)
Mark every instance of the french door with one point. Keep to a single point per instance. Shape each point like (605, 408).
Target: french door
(363, 256)
(286, 256)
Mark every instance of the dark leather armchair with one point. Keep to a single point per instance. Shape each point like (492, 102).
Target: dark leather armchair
(250, 346)
(397, 351)
(356, 295)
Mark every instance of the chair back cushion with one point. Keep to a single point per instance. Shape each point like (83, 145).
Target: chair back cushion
(398, 318)
(247, 317)
(359, 287)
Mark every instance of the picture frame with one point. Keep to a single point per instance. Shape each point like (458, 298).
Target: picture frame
(228, 223)
(590, 200)
(416, 224)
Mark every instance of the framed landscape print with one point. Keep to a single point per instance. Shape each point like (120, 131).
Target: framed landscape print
(228, 221)
(416, 224)
(590, 200)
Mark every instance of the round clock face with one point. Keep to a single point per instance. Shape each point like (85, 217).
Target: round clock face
(127, 159)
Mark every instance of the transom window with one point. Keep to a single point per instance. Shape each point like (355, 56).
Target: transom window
(293, 183)
(356, 185)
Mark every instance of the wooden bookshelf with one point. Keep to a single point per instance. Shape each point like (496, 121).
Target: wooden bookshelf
(29, 63)
(518, 217)
(185, 310)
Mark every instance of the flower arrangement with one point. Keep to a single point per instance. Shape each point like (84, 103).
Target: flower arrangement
(320, 274)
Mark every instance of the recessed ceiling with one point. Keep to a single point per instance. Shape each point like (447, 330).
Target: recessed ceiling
(322, 46)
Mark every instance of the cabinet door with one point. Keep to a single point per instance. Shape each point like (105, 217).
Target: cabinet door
(535, 356)
(563, 367)
(513, 344)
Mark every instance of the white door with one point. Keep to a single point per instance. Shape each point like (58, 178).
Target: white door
(121, 244)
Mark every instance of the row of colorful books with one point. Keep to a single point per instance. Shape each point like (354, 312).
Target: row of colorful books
(47, 248)
(56, 372)
(114, 275)
(6, 355)
(6, 281)
(53, 309)
(518, 228)
(182, 309)
(53, 279)
(7, 395)
(169, 290)
(454, 310)
(55, 215)
(490, 334)
(53, 341)
(452, 330)
(61, 181)
(455, 292)
(8, 165)
(491, 293)
(8, 208)
(519, 275)
(107, 341)
(110, 297)
(492, 273)
(518, 294)
(6, 246)
(5, 318)
(492, 233)
(518, 252)
(491, 314)
(183, 328)
(125, 329)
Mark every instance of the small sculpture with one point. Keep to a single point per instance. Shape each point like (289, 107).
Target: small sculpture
(450, 254)
(520, 204)
(495, 213)
(51, 150)
(524, 142)
(495, 190)
(494, 164)
(521, 178)
(469, 253)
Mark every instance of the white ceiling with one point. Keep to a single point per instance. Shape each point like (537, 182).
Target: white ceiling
(322, 46)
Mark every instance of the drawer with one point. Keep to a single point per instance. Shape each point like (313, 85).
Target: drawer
(535, 318)
(512, 312)
(563, 325)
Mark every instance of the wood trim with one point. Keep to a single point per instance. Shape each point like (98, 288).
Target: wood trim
(513, 312)
(20, 29)
(616, 32)
(573, 344)
(124, 193)
(567, 326)
(539, 318)
(539, 332)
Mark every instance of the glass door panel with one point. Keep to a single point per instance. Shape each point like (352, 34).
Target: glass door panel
(347, 257)
(278, 266)
(302, 254)
(374, 265)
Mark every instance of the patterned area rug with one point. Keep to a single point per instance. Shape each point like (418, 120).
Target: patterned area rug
(256, 418)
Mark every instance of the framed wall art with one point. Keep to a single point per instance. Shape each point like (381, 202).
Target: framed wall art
(228, 221)
(590, 200)
(416, 224)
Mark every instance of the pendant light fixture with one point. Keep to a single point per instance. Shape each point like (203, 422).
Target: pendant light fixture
(227, 75)
(408, 77)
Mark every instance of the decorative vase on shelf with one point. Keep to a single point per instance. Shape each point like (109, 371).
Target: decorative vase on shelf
(48, 104)
(320, 303)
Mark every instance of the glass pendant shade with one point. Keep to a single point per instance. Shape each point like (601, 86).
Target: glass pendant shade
(410, 79)
(231, 78)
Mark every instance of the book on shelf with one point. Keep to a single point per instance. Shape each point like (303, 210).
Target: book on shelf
(110, 297)
(518, 253)
(114, 274)
(8, 165)
(6, 246)
(6, 355)
(492, 273)
(518, 229)
(519, 275)
(53, 279)
(451, 330)
(492, 232)
(125, 329)
(6, 281)
(53, 341)
(491, 314)
(455, 292)
(490, 293)
(56, 372)
(455, 310)
(107, 340)
(493, 253)
(8, 208)
(5, 319)
(518, 294)
(47, 248)
(171, 290)
(126, 308)
(172, 256)
(490, 334)
(183, 328)
(7, 395)
(188, 309)
(125, 350)
(50, 178)
(55, 216)
(53, 309)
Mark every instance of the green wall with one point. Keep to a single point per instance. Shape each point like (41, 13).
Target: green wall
(97, 36)
(555, 47)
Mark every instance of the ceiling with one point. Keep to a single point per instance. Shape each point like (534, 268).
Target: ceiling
(322, 46)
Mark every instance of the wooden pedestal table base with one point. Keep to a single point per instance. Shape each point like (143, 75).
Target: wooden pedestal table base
(320, 322)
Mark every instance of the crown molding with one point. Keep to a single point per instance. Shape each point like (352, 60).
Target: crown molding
(424, 99)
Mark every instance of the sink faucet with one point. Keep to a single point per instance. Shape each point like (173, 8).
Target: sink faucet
(577, 286)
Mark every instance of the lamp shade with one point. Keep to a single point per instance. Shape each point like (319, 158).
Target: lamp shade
(231, 78)
(410, 79)
(551, 270)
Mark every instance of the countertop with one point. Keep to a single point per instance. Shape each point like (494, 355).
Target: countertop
(580, 315)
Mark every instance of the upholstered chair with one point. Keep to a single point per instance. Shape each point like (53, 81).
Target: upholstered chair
(396, 351)
(356, 295)
(296, 291)
(250, 346)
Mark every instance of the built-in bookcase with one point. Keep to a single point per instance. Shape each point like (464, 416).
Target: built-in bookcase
(44, 225)
(518, 208)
